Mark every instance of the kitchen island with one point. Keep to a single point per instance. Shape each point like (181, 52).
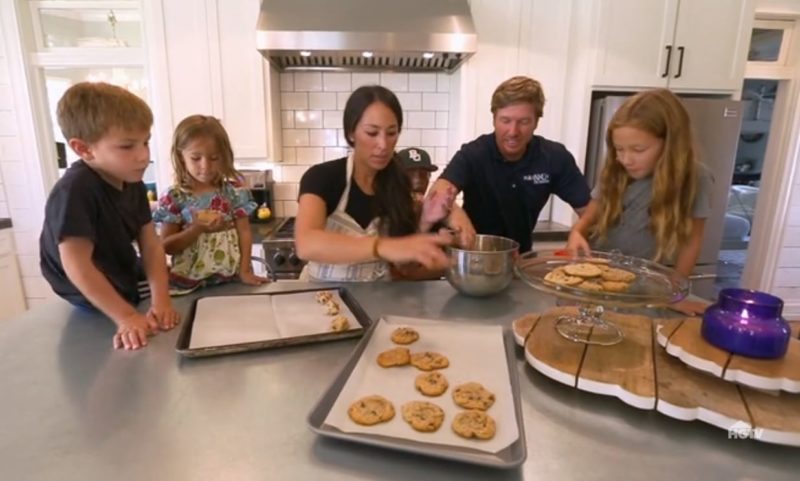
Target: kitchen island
(72, 408)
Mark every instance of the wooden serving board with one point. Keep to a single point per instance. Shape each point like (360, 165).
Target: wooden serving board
(643, 375)
(682, 339)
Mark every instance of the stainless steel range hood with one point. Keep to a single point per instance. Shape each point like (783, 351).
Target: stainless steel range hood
(404, 35)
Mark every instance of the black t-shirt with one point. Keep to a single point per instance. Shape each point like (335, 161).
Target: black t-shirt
(328, 180)
(505, 198)
(82, 204)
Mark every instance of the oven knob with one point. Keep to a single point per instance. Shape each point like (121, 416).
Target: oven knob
(294, 260)
(279, 259)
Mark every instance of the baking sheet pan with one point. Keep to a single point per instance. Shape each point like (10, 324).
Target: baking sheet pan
(253, 322)
(321, 416)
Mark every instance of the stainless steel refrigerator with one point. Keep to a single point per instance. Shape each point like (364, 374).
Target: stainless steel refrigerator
(716, 124)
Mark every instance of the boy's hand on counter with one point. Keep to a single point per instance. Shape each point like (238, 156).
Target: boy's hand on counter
(247, 277)
(163, 317)
(132, 331)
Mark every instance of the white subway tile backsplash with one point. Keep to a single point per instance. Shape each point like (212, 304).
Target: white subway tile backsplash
(286, 191)
(422, 82)
(361, 79)
(420, 120)
(442, 119)
(293, 173)
(3, 207)
(8, 124)
(435, 101)
(396, 82)
(279, 208)
(294, 100)
(332, 153)
(443, 82)
(308, 82)
(4, 78)
(789, 257)
(322, 101)
(309, 155)
(308, 119)
(287, 119)
(289, 208)
(340, 140)
(787, 277)
(440, 156)
(6, 97)
(409, 138)
(792, 237)
(410, 101)
(794, 217)
(436, 138)
(287, 82)
(332, 119)
(295, 137)
(289, 155)
(336, 82)
(341, 100)
(323, 138)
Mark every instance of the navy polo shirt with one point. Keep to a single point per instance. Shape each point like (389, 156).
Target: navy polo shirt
(505, 198)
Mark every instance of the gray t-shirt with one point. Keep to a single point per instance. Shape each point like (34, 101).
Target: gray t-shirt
(632, 235)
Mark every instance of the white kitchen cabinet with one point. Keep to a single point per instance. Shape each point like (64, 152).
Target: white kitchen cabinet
(212, 67)
(12, 297)
(685, 45)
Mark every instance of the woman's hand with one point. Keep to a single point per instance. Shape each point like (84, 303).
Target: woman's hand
(460, 224)
(577, 244)
(423, 248)
(437, 206)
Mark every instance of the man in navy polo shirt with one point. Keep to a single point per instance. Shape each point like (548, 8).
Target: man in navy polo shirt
(508, 176)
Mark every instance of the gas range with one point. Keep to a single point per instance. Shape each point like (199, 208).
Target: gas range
(279, 251)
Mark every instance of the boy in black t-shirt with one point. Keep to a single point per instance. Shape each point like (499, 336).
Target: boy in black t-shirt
(99, 208)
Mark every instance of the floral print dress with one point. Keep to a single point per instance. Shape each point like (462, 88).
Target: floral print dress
(214, 257)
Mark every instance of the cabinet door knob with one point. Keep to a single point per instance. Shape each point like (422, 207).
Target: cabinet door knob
(666, 66)
(680, 61)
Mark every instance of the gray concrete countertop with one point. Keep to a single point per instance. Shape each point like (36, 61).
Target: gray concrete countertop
(72, 408)
(5, 223)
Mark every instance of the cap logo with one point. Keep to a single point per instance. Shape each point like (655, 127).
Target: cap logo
(414, 155)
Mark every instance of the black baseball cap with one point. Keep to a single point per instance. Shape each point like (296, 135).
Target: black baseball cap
(415, 158)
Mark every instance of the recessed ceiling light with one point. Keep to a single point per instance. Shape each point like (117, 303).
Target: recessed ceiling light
(367, 54)
(428, 55)
(305, 53)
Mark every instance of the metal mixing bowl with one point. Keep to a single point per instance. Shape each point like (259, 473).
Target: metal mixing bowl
(486, 268)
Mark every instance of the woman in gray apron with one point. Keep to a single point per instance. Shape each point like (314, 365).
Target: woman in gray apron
(356, 214)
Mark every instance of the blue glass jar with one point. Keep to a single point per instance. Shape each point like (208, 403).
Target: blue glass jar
(747, 323)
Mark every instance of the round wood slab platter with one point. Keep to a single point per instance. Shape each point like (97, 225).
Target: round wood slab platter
(643, 375)
(682, 339)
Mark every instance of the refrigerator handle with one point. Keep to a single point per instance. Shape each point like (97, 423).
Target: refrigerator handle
(680, 61)
(666, 66)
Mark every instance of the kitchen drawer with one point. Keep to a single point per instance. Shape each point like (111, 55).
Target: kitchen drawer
(6, 246)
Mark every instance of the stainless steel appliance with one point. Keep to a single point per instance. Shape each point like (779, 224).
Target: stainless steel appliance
(280, 256)
(262, 189)
(716, 124)
(412, 35)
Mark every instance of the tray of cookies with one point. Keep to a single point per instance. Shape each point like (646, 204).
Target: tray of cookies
(436, 388)
(604, 278)
(229, 324)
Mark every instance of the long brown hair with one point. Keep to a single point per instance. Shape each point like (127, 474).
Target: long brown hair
(394, 204)
(191, 128)
(675, 177)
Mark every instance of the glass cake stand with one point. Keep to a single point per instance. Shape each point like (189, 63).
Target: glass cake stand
(655, 285)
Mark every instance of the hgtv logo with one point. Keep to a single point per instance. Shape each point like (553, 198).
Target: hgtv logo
(742, 430)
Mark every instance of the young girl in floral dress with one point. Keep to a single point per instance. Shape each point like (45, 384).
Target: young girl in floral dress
(204, 217)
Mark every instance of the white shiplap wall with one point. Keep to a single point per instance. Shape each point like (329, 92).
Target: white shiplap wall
(22, 193)
(312, 105)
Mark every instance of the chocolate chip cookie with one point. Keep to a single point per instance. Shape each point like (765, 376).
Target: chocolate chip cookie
(423, 416)
(371, 410)
(474, 424)
(428, 361)
(431, 383)
(404, 335)
(398, 356)
(473, 395)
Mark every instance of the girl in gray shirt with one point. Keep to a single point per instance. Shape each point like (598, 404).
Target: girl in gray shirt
(653, 195)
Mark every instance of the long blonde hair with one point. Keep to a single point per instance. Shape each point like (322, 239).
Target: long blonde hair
(675, 177)
(191, 128)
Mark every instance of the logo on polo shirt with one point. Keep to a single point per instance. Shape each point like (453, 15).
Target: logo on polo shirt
(537, 179)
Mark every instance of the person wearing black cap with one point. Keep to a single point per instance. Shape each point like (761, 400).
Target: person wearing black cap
(507, 176)
(417, 164)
